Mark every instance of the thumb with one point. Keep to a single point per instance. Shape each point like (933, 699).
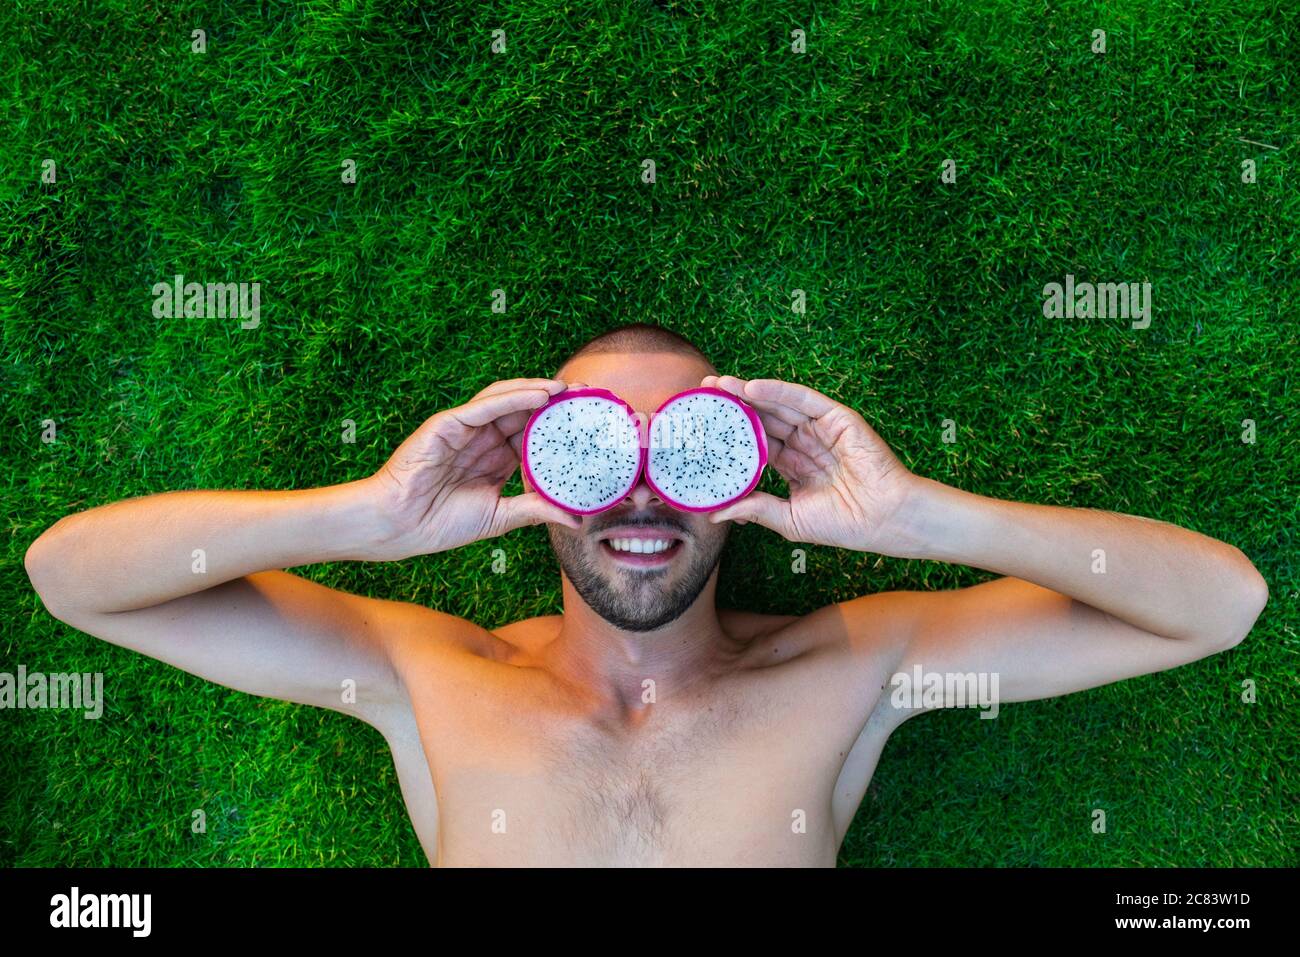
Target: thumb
(529, 509)
(767, 510)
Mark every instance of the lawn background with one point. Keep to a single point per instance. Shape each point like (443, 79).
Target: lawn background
(775, 171)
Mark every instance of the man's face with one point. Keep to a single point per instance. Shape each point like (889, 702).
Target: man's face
(674, 552)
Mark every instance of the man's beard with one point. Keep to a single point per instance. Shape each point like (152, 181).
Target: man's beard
(643, 605)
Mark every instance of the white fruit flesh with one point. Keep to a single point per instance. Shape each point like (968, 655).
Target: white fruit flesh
(703, 451)
(584, 453)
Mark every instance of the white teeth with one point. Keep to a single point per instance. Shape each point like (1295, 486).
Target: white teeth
(640, 546)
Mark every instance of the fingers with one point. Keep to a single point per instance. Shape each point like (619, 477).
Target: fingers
(452, 431)
(778, 424)
(804, 420)
(552, 386)
(479, 412)
(529, 509)
(767, 510)
(790, 395)
(789, 401)
(777, 417)
(512, 424)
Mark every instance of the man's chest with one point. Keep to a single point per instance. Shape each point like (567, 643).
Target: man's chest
(733, 777)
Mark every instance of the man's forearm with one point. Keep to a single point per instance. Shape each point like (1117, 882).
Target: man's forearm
(1165, 579)
(141, 552)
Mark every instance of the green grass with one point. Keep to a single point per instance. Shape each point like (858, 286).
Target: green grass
(775, 171)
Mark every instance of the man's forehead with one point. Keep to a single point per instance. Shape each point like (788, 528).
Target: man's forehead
(645, 380)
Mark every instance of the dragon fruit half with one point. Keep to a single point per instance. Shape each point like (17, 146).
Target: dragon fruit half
(707, 449)
(582, 451)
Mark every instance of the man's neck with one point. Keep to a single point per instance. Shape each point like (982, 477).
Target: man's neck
(622, 673)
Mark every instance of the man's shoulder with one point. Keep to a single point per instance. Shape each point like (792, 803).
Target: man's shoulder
(867, 623)
(528, 633)
(745, 626)
(770, 638)
(417, 632)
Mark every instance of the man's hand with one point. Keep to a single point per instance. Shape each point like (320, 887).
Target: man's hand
(442, 487)
(847, 488)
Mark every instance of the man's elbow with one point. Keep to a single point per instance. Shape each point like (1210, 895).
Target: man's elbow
(41, 566)
(1250, 597)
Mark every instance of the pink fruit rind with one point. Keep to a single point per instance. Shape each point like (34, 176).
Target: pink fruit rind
(565, 397)
(758, 433)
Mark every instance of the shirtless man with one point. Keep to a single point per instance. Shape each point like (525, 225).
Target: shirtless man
(643, 726)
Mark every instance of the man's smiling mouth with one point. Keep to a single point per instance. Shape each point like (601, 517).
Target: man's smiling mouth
(641, 547)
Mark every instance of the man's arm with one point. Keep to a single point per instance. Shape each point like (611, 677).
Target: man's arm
(1056, 624)
(189, 578)
(194, 579)
(1060, 623)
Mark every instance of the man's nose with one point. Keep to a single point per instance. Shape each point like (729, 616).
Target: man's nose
(643, 496)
